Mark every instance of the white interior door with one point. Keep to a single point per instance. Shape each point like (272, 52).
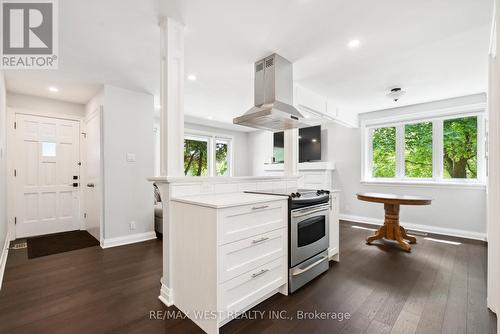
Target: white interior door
(47, 175)
(93, 183)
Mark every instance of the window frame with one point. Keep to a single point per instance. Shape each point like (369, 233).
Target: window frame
(399, 123)
(212, 138)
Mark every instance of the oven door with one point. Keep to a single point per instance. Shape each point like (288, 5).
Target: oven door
(309, 232)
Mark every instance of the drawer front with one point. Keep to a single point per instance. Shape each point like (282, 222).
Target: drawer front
(243, 222)
(245, 289)
(242, 256)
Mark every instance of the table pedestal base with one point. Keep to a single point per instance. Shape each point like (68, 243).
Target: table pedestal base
(391, 230)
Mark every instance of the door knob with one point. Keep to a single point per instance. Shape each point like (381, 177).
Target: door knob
(90, 185)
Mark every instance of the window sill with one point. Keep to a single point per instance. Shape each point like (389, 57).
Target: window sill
(425, 184)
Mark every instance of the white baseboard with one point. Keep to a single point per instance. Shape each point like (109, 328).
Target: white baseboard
(417, 227)
(166, 296)
(3, 257)
(333, 254)
(128, 239)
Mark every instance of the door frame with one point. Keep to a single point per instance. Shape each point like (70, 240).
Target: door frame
(10, 156)
(97, 112)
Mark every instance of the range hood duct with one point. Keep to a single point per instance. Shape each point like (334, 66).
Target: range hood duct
(273, 97)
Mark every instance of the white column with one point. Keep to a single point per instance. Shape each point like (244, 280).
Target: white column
(171, 134)
(291, 164)
(172, 98)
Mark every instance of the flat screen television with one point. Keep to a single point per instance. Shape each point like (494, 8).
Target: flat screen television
(309, 145)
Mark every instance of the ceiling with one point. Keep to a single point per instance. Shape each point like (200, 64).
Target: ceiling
(433, 49)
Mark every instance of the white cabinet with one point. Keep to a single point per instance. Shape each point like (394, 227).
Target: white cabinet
(245, 221)
(242, 256)
(227, 258)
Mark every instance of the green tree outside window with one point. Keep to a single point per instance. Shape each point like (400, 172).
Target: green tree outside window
(460, 148)
(384, 152)
(221, 158)
(195, 157)
(418, 150)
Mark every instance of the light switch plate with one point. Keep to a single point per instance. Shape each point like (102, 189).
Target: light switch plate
(131, 157)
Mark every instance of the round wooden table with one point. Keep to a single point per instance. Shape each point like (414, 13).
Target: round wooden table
(391, 229)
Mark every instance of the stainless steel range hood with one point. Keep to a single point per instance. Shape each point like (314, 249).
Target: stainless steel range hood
(273, 97)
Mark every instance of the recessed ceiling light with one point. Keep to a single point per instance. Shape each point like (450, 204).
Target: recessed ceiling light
(210, 117)
(53, 89)
(191, 77)
(314, 140)
(307, 116)
(354, 43)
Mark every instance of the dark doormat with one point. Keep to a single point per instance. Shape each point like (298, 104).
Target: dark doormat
(59, 243)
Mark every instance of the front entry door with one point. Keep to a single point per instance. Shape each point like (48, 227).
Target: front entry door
(47, 175)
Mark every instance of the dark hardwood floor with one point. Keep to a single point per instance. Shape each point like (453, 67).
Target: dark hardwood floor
(439, 288)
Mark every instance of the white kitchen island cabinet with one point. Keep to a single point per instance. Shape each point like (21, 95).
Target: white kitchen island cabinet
(229, 253)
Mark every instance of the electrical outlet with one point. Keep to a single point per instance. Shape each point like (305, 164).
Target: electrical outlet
(131, 157)
(132, 226)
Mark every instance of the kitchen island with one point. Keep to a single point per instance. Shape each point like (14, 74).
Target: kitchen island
(229, 253)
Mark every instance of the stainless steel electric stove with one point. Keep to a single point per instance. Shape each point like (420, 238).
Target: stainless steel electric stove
(308, 233)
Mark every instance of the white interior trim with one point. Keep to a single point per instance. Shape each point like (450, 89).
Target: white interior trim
(432, 114)
(417, 227)
(425, 183)
(399, 122)
(166, 296)
(3, 257)
(128, 239)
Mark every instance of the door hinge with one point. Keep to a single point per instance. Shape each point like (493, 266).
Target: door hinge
(15, 220)
(85, 215)
(15, 125)
(15, 172)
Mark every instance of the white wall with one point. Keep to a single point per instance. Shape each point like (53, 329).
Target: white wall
(3, 169)
(494, 169)
(127, 128)
(44, 106)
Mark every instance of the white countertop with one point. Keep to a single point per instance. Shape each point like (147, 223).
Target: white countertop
(228, 200)
(220, 179)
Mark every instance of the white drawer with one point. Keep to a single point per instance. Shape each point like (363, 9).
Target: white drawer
(242, 256)
(245, 289)
(246, 221)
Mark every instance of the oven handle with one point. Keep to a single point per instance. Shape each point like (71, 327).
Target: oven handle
(297, 272)
(306, 213)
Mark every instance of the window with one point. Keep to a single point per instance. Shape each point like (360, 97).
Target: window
(384, 152)
(207, 155)
(437, 150)
(195, 156)
(48, 150)
(460, 148)
(222, 157)
(279, 147)
(418, 150)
